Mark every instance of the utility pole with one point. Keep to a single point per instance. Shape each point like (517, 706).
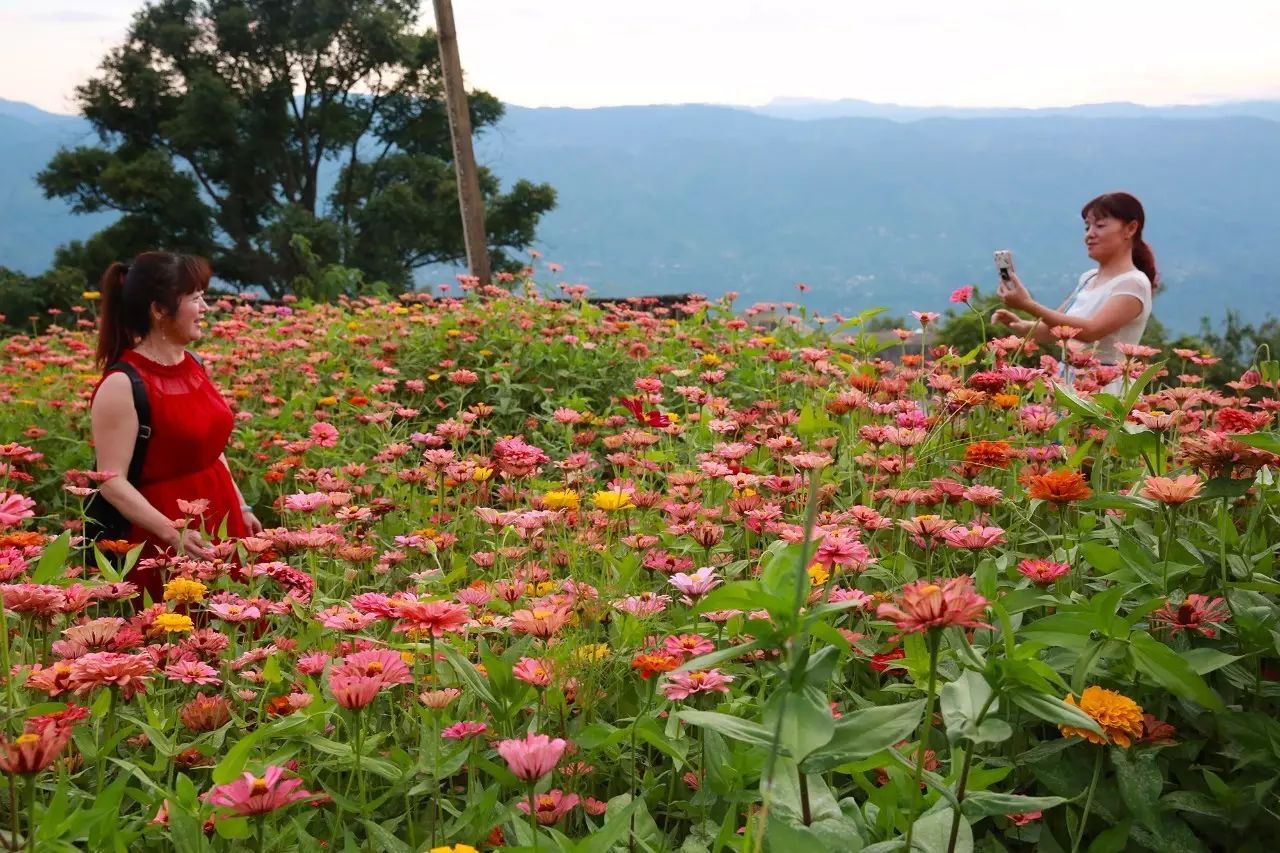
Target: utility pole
(464, 156)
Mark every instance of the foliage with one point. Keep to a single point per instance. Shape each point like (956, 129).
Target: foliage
(228, 127)
(782, 596)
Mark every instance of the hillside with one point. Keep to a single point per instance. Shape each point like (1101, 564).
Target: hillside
(867, 211)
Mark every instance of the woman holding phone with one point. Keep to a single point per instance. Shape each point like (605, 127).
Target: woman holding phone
(1111, 303)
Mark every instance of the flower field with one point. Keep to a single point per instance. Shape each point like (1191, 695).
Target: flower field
(558, 576)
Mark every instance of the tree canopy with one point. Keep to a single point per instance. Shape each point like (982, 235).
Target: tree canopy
(229, 127)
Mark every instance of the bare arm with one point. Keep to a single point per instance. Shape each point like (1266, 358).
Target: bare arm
(1114, 313)
(115, 429)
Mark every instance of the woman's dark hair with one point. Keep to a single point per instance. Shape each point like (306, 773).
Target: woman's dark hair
(1127, 208)
(129, 291)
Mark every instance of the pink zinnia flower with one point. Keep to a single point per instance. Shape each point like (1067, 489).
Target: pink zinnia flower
(111, 669)
(533, 756)
(843, 549)
(541, 622)
(35, 599)
(682, 685)
(687, 645)
(341, 618)
(1043, 571)
(696, 585)
(464, 730)
(533, 671)
(354, 692)
(644, 604)
(436, 617)
(192, 672)
(923, 605)
(383, 664)
(551, 806)
(1197, 613)
(973, 538)
(253, 795)
(14, 508)
(32, 752)
(962, 294)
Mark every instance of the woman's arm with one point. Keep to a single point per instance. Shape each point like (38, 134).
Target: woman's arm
(115, 430)
(1114, 313)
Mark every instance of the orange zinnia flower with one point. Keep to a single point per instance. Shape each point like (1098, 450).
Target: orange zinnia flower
(1059, 487)
(991, 454)
(1119, 717)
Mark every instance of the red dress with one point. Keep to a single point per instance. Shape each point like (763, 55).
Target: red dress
(190, 426)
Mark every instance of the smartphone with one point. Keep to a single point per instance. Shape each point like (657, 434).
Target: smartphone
(1004, 262)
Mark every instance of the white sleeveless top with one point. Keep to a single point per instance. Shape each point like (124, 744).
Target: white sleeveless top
(1090, 297)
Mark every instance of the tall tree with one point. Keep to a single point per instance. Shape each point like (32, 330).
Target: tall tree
(230, 126)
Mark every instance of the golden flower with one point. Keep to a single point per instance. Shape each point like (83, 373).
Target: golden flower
(184, 591)
(173, 623)
(612, 501)
(560, 499)
(457, 848)
(91, 295)
(1006, 401)
(327, 401)
(592, 652)
(818, 574)
(710, 359)
(1119, 717)
(481, 474)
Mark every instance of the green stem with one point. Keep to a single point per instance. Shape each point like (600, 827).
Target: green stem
(1170, 519)
(1088, 800)
(925, 725)
(533, 816)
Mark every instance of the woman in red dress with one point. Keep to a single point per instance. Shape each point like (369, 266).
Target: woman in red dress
(151, 312)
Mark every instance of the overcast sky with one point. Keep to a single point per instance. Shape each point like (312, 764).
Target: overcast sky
(586, 53)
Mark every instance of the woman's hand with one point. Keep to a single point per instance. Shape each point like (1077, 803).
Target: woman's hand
(189, 542)
(1014, 294)
(1004, 317)
(251, 522)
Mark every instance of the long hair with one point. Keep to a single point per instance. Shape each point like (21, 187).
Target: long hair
(129, 291)
(1127, 208)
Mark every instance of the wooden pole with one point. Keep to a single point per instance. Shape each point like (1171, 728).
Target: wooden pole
(470, 201)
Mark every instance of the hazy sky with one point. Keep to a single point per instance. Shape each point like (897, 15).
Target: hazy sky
(587, 53)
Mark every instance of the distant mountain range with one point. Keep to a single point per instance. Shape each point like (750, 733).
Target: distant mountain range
(868, 204)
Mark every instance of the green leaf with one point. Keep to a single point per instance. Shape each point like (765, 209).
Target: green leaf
(1068, 630)
(729, 726)
(233, 828)
(721, 655)
(1225, 487)
(863, 733)
(384, 839)
(932, 833)
(467, 672)
(617, 825)
(1140, 785)
(1168, 669)
(52, 559)
(1053, 710)
(232, 764)
(802, 719)
(1079, 406)
(1204, 661)
(961, 702)
(1268, 441)
(980, 804)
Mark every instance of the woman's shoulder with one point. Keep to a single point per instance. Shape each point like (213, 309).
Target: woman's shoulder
(1087, 276)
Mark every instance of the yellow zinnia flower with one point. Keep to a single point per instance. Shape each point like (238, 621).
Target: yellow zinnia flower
(184, 591)
(612, 501)
(173, 623)
(560, 499)
(818, 574)
(480, 474)
(1119, 717)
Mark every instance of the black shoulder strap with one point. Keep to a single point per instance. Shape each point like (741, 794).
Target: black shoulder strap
(143, 407)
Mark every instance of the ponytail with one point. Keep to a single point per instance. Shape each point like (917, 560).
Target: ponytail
(1145, 260)
(113, 336)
